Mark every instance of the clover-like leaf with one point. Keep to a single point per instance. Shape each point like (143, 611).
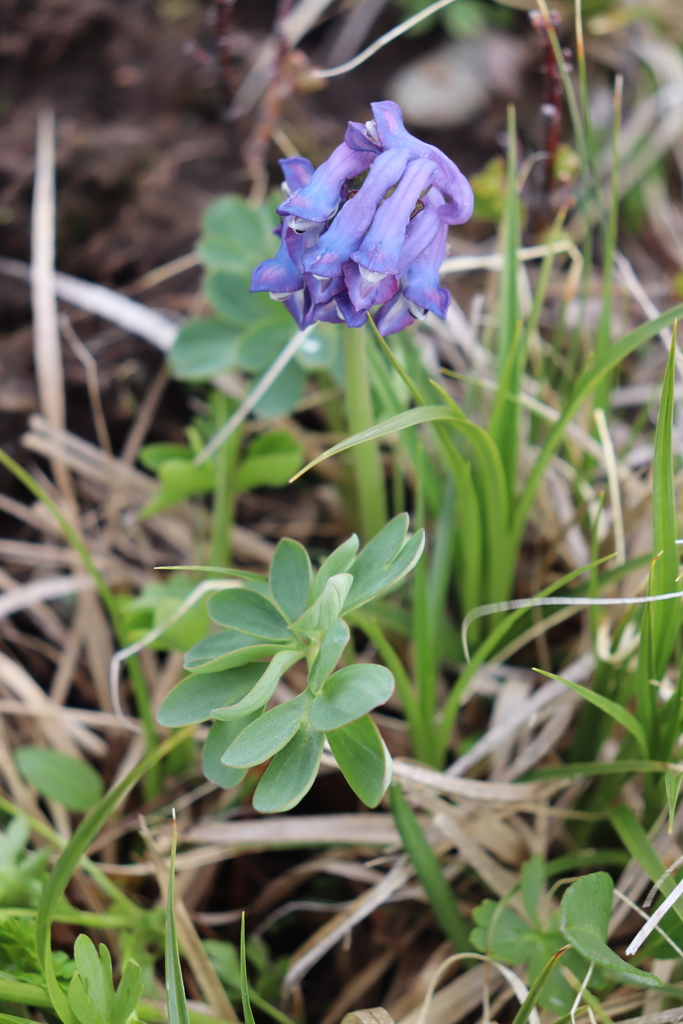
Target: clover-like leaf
(195, 697)
(70, 781)
(228, 649)
(268, 734)
(264, 689)
(331, 650)
(290, 578)
(363, 758)
(291, 773)
(586, 908)
(349, 694)
(248, 612)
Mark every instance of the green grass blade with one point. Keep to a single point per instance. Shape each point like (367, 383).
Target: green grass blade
(244, 981)
(429, 871)
(71, 856)
(524, 1012)
(411, 418)
(665, 616)
(610, 707)
(176, 1003)
(637, 842)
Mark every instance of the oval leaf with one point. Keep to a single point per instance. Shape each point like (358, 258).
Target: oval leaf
(291, 773)
(349, 694)
(193, 699)
(228, 649)
(248, 612)
(221, 735)
(264, 689)
(290, 578)
(267, 734)
(363, 758)
(67, 780)
(331, 650)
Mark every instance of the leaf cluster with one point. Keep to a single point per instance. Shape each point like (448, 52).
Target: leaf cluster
(294, 615)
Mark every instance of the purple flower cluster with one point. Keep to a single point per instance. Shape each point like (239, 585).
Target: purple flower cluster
(367, 228)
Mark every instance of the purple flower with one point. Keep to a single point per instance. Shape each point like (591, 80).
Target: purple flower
(367, 228)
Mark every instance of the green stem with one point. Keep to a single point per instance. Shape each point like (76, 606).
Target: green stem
(367, 461)
(223, 494)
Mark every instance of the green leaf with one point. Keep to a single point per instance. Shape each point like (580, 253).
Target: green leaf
(610, 707)
(349, 694)
(586, 908)
(411, 418)
(194, 699)
(666, 615)
(501, 933)
(176, 1003)
(69, 781)
(532, 881)
(672, 782)
(153, 456)
(524, 1012)
(246, 229)
(331, 650)
(244, 981)
(363, 758)
(248, 612)
(320, 350)
(128, 993)
(291, 773)
(264, 689)
(429, 871)
(383, 561)
(234, 304)
(156, 604)
(269, 461)
(221, 735)
(290, 578)
(180, 479)
(202, 349)
(91, 992)
(228, 649)
(285, 391)
(337, 562)
(268, 734)
(260, 344)
(323, 612)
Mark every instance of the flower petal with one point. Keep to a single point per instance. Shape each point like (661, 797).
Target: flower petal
(319, 199)
(297, 171)
(367, 288)
(421, 282)
(454, 185)
(381, 248)
(358, 136)
(278, 274)
(348, 228)
(394, 316)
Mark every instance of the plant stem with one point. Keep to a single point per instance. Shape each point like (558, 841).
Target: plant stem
(367, 461)
(222, 513)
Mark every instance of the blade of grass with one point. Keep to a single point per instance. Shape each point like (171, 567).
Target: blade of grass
(610, 707)
(428, 870)
(524, 1012)
(176, 1003)
(244, 981)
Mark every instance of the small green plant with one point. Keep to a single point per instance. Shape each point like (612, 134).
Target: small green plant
(92, 997)
(582, 920)
(292, 616)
